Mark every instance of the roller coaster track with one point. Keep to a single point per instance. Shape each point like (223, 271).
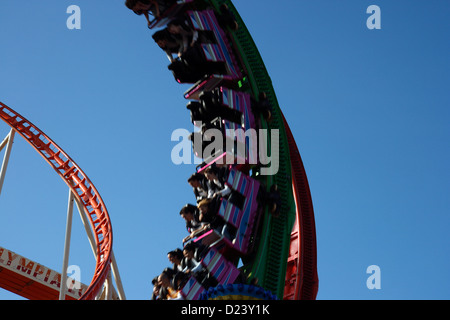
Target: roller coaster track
(81, 186)
(301, 278)
(273, 249)
(275, 241)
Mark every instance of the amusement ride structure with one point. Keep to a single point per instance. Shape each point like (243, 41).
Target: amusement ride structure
(274, 238)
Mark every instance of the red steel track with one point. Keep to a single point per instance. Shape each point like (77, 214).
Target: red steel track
(81, 186)
(302, 281)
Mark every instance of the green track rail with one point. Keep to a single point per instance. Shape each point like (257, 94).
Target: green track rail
(268, 263)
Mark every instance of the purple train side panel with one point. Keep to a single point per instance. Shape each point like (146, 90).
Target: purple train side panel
(218, 267)
(206, 20)
(243, 219)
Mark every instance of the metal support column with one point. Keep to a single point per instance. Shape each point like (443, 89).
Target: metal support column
(63, 287)
(9, 142)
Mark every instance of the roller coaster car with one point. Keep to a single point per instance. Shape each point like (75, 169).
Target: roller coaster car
(230, 112)
(223, 271)
(228, 104)
(222, 50)
(207, 113)
(225, 152)
(242, 210)
(203, 61)
(228, 151)
(193, 66)
(225, 93)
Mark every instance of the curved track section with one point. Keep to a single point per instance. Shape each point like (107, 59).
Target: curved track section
(81, 186)
(282, 257)
(301, 274)
(273, 248)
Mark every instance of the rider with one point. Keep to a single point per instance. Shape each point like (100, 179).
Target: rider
(167, 42)
(156, 7)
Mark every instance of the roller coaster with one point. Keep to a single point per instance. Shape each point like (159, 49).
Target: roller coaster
(259, 241)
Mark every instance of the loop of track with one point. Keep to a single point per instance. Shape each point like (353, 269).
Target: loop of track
(81, 187)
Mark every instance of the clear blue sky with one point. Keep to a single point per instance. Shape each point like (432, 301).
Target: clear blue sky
(369, 110)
